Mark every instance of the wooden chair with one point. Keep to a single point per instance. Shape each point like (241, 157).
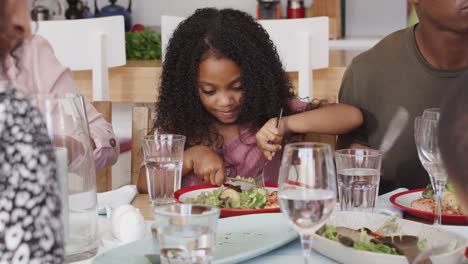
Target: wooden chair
(327, 86)
(141, 126)
(104, 177)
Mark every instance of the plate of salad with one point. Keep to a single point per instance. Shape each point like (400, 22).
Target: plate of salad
(421, 203)
(376, 238)
(232, 200)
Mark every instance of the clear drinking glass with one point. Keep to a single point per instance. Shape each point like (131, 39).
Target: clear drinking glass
(185, 233)
(67, 125)
(307, 188)
(358, 178)
(427, 144)
(431, 113)
(163, 160)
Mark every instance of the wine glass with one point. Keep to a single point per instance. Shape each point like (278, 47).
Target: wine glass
(307, 188)
(427, 144)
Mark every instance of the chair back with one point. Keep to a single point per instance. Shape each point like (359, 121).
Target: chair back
(141, 126)
(327, 86)
(88, 44)
(104, 177)
(302, 45)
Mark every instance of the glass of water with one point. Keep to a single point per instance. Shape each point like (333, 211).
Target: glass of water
(358, 178)
(307, 188)
(185, 233)
(163, 155)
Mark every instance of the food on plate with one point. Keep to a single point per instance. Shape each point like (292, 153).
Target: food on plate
(386, 239)
(450, 204)
(234, 197)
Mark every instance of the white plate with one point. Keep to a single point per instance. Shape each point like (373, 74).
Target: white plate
(357, 220)
(238, 239)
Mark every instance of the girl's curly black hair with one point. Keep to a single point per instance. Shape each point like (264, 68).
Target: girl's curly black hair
(237, 36)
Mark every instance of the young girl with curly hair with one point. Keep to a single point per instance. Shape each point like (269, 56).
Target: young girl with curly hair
(222, 86)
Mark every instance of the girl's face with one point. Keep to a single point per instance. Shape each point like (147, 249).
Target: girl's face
(219, 88)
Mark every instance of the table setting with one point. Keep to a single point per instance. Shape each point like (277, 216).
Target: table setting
(316, 210)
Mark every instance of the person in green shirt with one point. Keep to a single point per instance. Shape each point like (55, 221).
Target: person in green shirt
(414, 68)
(453, 140)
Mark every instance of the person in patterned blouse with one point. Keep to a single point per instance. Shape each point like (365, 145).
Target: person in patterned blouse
(30, 226)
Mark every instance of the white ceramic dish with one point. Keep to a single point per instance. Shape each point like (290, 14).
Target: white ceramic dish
(238, 239)
(435, 237)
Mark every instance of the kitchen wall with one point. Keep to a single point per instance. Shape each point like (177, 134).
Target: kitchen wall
(364, 18)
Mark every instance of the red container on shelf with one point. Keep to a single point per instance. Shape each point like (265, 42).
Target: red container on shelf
(295, 9)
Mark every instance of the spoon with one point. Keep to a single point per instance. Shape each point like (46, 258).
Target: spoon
(396, 126)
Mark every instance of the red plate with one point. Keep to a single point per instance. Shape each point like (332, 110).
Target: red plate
(193, 191)
(403, 201)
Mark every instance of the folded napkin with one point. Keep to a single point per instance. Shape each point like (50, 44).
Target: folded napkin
(384, 206)
(115, 198)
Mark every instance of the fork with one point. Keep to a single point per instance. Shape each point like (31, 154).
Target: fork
(260, 181)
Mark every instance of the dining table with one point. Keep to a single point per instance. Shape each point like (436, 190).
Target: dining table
(289, 253)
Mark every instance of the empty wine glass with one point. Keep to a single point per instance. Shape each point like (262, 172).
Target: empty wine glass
(427, 144)
(307, 188)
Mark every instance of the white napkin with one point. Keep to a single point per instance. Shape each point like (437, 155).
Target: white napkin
(115, 198)
(384, 206)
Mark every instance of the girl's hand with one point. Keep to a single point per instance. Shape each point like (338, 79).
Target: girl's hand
(269, 138)
(207, 164)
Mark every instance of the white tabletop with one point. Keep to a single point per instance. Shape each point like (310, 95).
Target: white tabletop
(290, 253)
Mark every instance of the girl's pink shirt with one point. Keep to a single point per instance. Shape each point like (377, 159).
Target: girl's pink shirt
(40, 72)
(242, 156)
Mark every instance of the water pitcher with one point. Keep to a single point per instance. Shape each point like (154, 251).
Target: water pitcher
(67, 125)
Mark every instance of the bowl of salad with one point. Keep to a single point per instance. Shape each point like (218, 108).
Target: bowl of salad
(374, 238)
(232, 200)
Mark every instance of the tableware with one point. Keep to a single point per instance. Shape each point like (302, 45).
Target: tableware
(243, 184)
(358, 177)
(237, 239)
(260, 180)
(403, 201)
(193, 191)
(67, 126)
(185, 233)
(431, 113)
(434, 236)
(307, 189)
(163, 161)
(427, 144)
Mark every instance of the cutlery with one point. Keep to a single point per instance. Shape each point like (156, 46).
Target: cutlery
(396, 126)
(260, 181)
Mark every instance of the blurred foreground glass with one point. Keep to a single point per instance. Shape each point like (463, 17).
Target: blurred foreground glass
(427, 144)
(431, 113)
(358, 178)
(185, 233)
(67, 125)
(163, 160)
(307, 188)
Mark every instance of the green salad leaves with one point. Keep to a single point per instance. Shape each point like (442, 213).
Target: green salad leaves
(227, 197)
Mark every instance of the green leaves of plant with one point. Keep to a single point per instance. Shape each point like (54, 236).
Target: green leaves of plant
(144, 45)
